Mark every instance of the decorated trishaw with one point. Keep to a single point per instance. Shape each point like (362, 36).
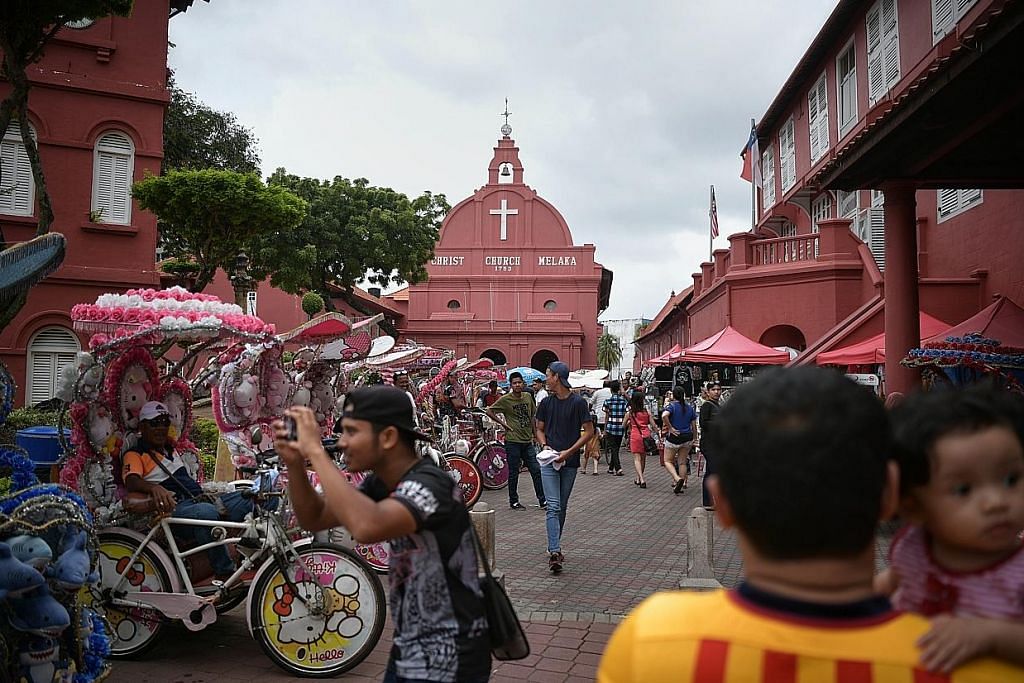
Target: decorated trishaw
(315, 607)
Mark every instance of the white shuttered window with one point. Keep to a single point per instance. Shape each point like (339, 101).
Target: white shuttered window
(952, 202)
(113, 170)
(817, 123)
(768, 178)
(883, 49)
(787, 155)
(17, 189)
(945, 15)
(821, 210)
(846, 88)
(50, 351)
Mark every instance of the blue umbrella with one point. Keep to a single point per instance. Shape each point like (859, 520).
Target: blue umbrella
(529, 374)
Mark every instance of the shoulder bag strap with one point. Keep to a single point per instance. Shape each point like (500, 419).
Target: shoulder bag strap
(181, 487)
(480, 549)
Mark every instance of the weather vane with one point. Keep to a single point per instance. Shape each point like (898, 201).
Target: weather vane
(506, 129)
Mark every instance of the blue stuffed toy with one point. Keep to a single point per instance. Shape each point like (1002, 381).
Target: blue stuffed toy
(71, 570)
(16, 577)
(39, 613)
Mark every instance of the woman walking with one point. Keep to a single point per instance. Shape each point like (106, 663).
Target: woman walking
(679, 422)
(638, 422)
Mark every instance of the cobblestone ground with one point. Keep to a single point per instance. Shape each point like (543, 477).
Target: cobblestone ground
(621, 543)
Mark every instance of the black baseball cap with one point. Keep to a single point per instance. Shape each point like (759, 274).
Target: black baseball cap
(383, 405)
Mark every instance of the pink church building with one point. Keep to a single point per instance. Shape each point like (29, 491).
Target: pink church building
(506, 281)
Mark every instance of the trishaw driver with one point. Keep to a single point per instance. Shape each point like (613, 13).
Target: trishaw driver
(153, 468)
(436, 603)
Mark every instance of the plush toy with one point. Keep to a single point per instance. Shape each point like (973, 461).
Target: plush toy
(302, 395)
(71, 570)
(31, 550)
(39, 613)
(38, 658)
(103, 435)
(135, 390)
(277, 386)
(246, 396)
(177, 411)
(16, 577)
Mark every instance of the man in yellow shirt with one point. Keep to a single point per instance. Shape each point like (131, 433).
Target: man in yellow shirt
(804, 477)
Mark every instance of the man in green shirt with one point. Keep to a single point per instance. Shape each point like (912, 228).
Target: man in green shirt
(515, 412)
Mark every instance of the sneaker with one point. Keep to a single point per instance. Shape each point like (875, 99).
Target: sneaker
(516, 506)
(611, 471)
(555, 563)
(543, 505)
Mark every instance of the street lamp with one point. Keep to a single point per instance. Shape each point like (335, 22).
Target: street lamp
(241, 282)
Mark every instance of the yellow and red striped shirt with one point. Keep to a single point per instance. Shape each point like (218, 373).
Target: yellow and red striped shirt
(719, 637)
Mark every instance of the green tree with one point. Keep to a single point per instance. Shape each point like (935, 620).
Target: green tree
(609, 351)
(26, 26)
(312, 303)
(198, 136)
(353, 231)
(209, 216)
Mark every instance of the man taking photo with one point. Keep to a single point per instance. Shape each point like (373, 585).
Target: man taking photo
(435, 602)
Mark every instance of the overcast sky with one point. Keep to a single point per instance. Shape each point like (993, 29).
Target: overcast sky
(625, 112)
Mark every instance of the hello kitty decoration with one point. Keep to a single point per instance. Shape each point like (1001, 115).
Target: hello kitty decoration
(132, 380)
(275, 382)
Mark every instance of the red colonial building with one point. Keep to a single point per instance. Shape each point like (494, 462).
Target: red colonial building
(96, 109)
(890, 184)
(506, 280)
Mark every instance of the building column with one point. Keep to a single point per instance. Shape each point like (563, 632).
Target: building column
(902, 321)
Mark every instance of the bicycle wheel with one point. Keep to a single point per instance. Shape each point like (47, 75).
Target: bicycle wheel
(336, 627)
(376, 555)
(133, 630)
(467, 477)
(493, 463)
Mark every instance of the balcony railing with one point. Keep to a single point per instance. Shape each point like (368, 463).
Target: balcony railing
(785, 250)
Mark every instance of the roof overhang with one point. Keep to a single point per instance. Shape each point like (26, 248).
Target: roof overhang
(604, 294)
(956, 125)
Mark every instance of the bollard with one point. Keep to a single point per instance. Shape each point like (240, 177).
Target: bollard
(482, 518)
(700, 572)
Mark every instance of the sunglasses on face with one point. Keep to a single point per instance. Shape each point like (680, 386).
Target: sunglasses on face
(159, 421)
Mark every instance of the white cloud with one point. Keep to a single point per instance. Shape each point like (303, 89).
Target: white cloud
(624, 112)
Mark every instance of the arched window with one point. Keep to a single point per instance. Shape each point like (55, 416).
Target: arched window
(113, 170)
(50, 351)
(454, 305)
(17, 188)
(550, 305)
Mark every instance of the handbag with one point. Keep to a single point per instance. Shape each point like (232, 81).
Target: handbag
(508, 640)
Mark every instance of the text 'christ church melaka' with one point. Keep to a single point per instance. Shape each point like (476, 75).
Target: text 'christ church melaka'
(506, 281)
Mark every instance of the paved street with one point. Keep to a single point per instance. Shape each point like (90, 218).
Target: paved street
(622, 543)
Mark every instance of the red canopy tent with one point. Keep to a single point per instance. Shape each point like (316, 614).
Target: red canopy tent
(729, 346)
(671, 356)
(872, 351)
(1003, 320)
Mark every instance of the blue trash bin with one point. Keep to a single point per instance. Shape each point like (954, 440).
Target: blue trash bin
(42, 444)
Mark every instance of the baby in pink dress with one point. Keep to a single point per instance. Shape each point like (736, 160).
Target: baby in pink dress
(961, 560)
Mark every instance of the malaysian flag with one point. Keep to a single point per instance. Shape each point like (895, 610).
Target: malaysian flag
(714, 215)
(751, 159)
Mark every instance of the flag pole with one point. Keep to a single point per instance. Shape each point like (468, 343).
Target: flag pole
(711, 233)
(753, 187)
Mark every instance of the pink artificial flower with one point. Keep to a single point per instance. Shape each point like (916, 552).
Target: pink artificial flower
(98, 340)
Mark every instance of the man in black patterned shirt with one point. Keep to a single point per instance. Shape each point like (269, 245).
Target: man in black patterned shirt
(436, 602)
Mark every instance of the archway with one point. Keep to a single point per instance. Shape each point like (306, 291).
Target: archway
(784, 335)
(495, 355)
(542, 359)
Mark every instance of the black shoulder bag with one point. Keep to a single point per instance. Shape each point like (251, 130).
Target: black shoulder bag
(508, 641)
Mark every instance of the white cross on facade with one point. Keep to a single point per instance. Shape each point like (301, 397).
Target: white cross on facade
(504, 212)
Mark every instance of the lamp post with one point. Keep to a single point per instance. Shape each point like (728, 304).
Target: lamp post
(241, 281)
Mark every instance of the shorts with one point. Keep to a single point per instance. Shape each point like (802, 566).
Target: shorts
(669, 446)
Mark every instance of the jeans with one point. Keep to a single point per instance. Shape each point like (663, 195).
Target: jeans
(522, 453)
(235, 505)
(557, 488)
(709, 469)
(613, 444)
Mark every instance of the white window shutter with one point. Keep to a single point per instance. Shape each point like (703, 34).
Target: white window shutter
(768, 179)
(876, 237)
(949, 202)
(17, 187)
(817, 123)
(42, 371)
(787, 155)
(849, 202)
(112, 179)
(890, 43)
(969, 197)
(942, 18)
(50, 350)
(876, 66)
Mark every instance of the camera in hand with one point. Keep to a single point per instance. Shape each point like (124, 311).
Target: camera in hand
(291, 427)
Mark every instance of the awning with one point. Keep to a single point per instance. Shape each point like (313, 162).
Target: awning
(667, 358)
(729, 346)
(321, 329)
(1003, 321)
(872, 351)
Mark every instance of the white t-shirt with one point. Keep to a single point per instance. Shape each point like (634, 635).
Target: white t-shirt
(597, 403)
(541, 395)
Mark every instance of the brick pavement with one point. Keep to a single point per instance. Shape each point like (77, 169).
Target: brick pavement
(621, 544)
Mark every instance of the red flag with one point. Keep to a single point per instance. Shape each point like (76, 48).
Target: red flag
(714, 215)
(751, 159)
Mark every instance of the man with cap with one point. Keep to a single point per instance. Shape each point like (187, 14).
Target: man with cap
(153, 468)
(537, 387)
(435, 602)
(564, 424)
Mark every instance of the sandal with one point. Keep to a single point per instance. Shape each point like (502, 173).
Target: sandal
(679, 486)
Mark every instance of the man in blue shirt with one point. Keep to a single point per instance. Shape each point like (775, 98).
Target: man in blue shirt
(614, 408)
(564, 424)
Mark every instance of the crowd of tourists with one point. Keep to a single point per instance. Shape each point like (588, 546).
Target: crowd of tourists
(810, 606)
